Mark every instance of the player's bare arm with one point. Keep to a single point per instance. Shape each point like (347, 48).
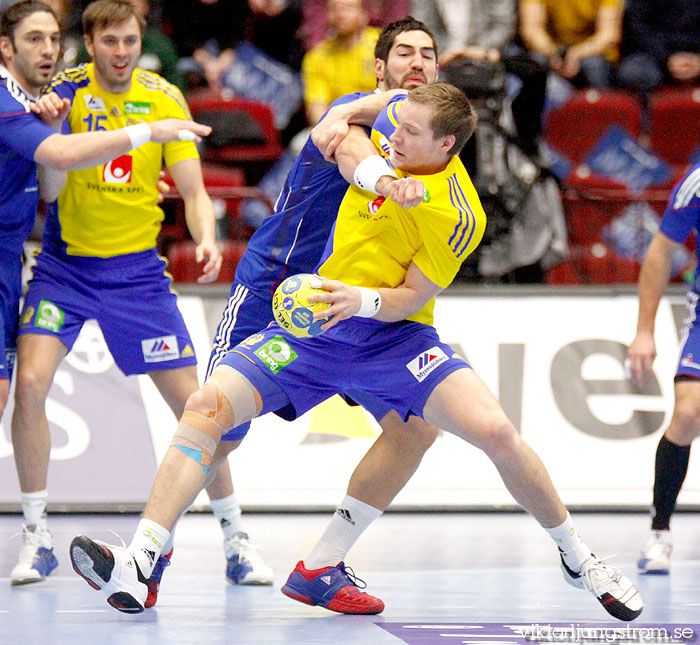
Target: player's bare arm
(199, 213)
(653, 280)
(89, 149)
(397, 303)
(53, 110)
(334, 127)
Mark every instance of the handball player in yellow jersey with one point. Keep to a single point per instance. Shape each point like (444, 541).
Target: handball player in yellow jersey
(383, 267)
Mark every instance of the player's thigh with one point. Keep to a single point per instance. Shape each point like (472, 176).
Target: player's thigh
(176, 385)
(463, 405)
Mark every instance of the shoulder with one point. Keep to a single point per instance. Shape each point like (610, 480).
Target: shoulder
(72, 78)
(687, 190)
(164, 91)
(12, 98)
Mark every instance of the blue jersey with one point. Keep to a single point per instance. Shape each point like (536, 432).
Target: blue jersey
(682, 214)
(291, 240)
(21, 132)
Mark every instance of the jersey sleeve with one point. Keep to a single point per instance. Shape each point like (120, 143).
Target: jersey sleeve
(436, 258)
(23, 132)
(172, 105)
(682, 213)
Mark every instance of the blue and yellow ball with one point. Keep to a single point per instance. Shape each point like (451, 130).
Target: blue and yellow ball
(292, 309)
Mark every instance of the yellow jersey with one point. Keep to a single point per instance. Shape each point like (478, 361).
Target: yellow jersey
(374, 240)
(113, 209)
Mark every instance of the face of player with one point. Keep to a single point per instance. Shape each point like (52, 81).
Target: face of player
(415, 148)
(32, 58)
(411, 62)
(115, 51)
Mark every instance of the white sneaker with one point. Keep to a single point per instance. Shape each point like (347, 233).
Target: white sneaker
(656, 554)
(111, 569)
(244, 566)
(36, 559)
(614, 591)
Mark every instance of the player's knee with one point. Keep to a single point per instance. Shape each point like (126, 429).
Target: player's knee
(30, 388)
(685, 423)
(501, 439)
(422, 433)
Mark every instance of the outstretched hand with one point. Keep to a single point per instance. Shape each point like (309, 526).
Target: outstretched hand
(169, 130)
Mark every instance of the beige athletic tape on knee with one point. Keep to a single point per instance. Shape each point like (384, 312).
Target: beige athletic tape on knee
(196, 443)
(242, 399)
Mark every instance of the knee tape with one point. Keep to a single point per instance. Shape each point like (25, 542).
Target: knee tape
(242, 399)
(198, 444)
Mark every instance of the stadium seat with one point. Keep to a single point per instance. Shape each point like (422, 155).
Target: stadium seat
(674, 116)
(594, 264)
(574, 128)
(242, 130)
(184, 267)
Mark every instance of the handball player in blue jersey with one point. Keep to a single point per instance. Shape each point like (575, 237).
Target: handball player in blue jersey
(30, 42)
(382, 268)
(681, 217)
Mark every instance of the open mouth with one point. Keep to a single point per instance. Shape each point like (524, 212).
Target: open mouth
(120, 68)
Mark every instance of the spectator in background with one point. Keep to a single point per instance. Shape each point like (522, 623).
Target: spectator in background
(205, 33)
(662, 39)
(468, 28)
(344, 62)
(274, 26)
(71, 32)
(580, 38)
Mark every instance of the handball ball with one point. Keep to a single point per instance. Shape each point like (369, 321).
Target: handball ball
(292, 309)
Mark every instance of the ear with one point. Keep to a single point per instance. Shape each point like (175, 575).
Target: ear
(447, 142)
(89, 46)
(379, 69)
(6, 48)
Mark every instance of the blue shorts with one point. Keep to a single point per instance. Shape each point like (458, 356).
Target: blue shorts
(128, 295)
(245, 314)
(10, 292)
(398, 363)
(689, 360)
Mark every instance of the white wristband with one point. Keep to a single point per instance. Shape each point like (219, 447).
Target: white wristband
(368, 172)
(371, 302)
(138, 134)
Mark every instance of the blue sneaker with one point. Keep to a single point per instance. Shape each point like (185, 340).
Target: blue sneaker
(335, 588)
(154, 580)
(36, 559)
(244, 566)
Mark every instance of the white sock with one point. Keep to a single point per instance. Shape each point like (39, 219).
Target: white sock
(147, 545)
(34, 508)
(351, 518)
(573, 549)
(228, 513)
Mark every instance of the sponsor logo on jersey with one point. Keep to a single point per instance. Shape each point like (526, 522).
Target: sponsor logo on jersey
(426, 197)
(27, 315)
(49, 316)
(137, 107)
(276, 354)
(375, 205)
(384, 145)
(94, 103)
(423, 364)
(687, 361)
(115, 112)
(157, 350)
(253, 340)
(187, 351)
(118, 171)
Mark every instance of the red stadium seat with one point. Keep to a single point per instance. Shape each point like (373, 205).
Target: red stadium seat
(575, 127)
(184, 268)
(595, 264)
(675, 124)
(242, 130)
